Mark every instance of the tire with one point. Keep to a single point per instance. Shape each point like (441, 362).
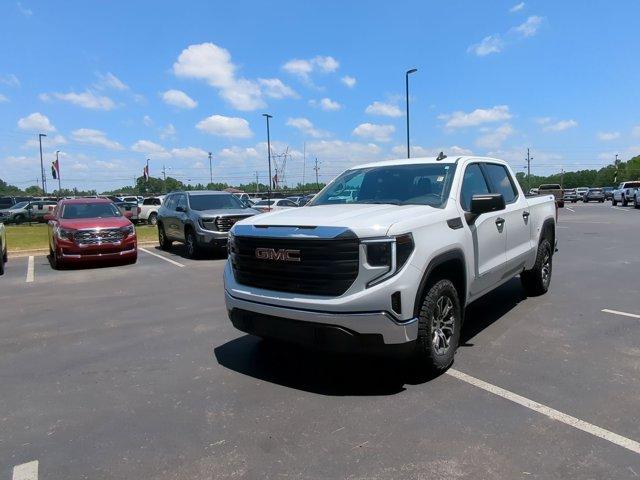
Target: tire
(574, 201)
(19, 219)
(191, 244)
(625, 202)
(614, 202)
(165, 243)
(537, 280)
(561, 204)
(439, 326)
(585, 201)
(153, 219)
(601, 201)
(56, 263)
(3, 259)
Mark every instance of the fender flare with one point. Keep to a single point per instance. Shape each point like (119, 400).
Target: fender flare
(453, 254)
(550, 224)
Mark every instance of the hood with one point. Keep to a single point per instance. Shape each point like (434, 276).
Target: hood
(83, 223)
(226, 212)
(365, 220)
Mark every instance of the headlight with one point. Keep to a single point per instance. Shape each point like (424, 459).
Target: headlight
(65, 233)
(390, 252)
(231, 243)
(128, 230)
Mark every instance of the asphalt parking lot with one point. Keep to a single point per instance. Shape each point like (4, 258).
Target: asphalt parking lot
(135, 372)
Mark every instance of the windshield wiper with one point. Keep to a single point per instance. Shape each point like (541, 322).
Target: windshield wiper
(381, 202)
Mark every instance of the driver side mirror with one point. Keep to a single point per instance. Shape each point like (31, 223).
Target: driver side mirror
(180, 208)
(490, 202)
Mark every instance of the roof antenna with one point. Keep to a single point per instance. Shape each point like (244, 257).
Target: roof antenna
(441, 156)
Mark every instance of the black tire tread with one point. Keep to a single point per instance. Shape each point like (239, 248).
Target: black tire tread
(531, 279)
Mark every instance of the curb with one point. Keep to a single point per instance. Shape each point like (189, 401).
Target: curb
(44, 251)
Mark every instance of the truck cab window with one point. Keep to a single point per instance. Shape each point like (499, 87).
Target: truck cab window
(473, 183)
(501, 181)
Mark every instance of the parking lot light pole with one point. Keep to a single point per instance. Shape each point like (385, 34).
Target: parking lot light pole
(406, 84)
(44, 181)
(267, 116)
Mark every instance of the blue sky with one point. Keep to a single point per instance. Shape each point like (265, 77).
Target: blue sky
(113, 83)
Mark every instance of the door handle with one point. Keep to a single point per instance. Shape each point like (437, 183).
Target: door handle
(525, 214)
(499, 223)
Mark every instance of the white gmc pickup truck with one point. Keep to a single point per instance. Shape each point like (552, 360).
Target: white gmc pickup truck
(395, 263)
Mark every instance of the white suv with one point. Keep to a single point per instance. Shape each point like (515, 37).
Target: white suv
(395, 262)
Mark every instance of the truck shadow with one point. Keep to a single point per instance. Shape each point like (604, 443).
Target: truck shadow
(353, 375)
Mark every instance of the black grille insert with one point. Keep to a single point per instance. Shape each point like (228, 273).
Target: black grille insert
(325, 267)
(224, 224)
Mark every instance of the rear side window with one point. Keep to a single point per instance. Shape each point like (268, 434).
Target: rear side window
(501, 181)
(473, 183)
(170, 202)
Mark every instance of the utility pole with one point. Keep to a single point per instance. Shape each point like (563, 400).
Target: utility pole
(561, 177)
(164, 179)
(58, 173)
(210, 169)
(304, 164)
(529, 158)
(406, 84)
(267, 116)
(257, 183)
(44, 179)
(317, 169)
(617, 163)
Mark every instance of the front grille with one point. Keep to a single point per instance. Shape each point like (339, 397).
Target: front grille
(326, 267)
(94, 237)
(224, 224)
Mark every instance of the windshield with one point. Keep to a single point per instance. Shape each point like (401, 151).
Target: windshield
(415, 184)
(631, 185)
(214, 202)
(549, 187)
(596, 190)
(19, 205)
(264, 202)
(90, 210)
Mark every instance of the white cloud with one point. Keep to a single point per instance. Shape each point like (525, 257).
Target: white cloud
(10, 80)
(488, 45)
(109, 80)
(148, 122)
(303, 68)
(190, 153)
(385, 109)
(232, 127)
(168, 132)
(179, 99)
(607, 136)
(306, 127)
(326, 104)
(494, 139)
(348, 81)
(3, 99)
(460, 119)
(559, 126)
(151, 149)
(529, 28)
(36, 122)
(27, 12)
(624, 154)
(379, 133)
(336, 155)
(234, 154)
(85, 99)
(275, 88)
(419, 151)
(635, 131)
(90, 136)
(211, 63)
(51, 141)
(517, 7)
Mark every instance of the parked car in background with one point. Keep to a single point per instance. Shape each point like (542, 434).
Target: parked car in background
(608, 192)
(395, 267)
(625, 193)
(533, 191)
(8, 202)
(553, 189)
(3, 247)
(570, 195)
(636, 200)
(199, 219)
(149, 209)
(594, 195)
(27, 211)
(130, 210)
(580, 191)
(274, 204)
(297, 200)
(130, 199)
(88, 230)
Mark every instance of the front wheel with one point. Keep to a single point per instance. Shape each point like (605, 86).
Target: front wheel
(625, 202)
(537, 280)
(3, 259)
(614, 202)
(165, 243)
(439, 325)
(191, 244)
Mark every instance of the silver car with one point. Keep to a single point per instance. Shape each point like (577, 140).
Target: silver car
(199, 219)
(3, 247)
(27, 211)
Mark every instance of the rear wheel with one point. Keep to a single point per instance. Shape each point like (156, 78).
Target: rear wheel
(153, 219)
(165, 243)
(191, 244)
(439, 325)
(537, 280)
(625, 202)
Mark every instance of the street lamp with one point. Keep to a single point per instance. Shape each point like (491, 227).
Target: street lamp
(406, 82)
(267, 116)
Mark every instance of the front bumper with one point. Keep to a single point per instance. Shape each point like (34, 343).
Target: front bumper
(74, 253)
(210, 238)
(331, 330)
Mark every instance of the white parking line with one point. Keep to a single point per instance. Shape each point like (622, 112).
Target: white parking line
(549, 412)
(31, 274)
(26, 471)
(570, 209)
(621, 209)
(177, 264)
(617, 312)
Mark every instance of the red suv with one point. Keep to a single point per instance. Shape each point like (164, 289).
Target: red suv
(84, 230)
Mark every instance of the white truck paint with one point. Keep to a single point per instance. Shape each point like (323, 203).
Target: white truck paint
(625, 193)
(149, 209)
(480, 252)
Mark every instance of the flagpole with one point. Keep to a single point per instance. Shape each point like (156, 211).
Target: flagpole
(58, 165)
